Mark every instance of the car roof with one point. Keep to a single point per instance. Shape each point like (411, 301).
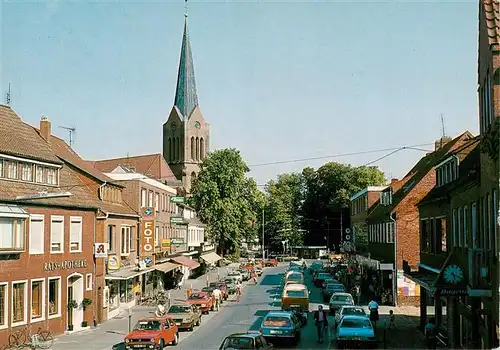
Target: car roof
(295, 286)
(248, 335)
(153, 318)
(278, 313)
(352, 307)
(355, 317)
(342, 293)
(180, 304)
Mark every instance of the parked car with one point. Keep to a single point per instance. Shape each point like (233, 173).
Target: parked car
(185, 316)
(355, 331)
(231, 285)
(222, 287)
(202, 300)
(348, 310)
(152, 333)
(338, 300)
(281, 325)
(320, 277)
(245, 273)
(249, 340)
(271, 263)
(236, 274)
(330, 289)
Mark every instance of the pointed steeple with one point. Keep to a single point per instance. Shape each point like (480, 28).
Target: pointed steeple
(186, 98)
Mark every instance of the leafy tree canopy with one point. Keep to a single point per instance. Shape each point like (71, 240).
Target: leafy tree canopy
(226, 200)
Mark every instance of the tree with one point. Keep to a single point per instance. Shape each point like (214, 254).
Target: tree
(226, 200)
(283, 208)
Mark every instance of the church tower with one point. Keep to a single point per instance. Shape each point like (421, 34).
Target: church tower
(186, 134)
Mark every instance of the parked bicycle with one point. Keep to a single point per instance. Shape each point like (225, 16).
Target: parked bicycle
(23, 338)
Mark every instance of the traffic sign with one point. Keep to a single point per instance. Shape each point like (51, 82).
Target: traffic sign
(176, 220)
(178, 200)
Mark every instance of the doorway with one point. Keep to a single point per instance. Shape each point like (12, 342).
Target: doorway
(75, 292)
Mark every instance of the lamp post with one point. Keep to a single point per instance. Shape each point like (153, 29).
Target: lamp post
(263, 245)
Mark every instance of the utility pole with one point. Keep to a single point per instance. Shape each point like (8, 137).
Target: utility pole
(263, 245)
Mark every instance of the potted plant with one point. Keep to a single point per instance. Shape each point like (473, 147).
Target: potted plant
(72, 304)
(85, 303)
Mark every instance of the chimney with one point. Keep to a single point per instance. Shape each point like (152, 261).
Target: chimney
(441, 142)
(45, 128)
(393, 181)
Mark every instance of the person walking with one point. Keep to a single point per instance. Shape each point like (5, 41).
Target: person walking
(238, 291)
(321, 322)
(373, 307)
(217, 294)
(357, 291)
(430, 333)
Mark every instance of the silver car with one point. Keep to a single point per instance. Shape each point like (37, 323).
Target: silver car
(338, 300)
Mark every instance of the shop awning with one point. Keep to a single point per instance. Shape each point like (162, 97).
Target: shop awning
(166, 267)
(211, 258)
(192, 264)
(13, 211)
(126, 273)
(425, 280)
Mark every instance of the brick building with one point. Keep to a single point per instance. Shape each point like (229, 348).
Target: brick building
(393, 223)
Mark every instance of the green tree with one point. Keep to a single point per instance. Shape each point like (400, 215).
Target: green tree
(283, 208)
(226, 200)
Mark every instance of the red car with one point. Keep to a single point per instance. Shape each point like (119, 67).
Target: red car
(203, 300)
(271, 263)
(152, 333)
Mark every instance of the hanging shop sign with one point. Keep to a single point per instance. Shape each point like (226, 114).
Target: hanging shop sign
(177, 241)
(165, 243)
(101, 250)
(64, 265)
(147, 237)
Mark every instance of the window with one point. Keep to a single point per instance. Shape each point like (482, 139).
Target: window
(495, 216)
(488, 222)
(157, 236)
(54, 297)
(57, 234)
(459, 226)
(464, 233)
(157, 202)
(12, 170)
(88, 282)
(150, 199)
(3, 304)
(1, 170)
(19, 301)
(425, 228)
(39, 174)
(37, 300)
(37, 234)
(144, 195)
(131, 240)
(442, 234)
(454, 228)
(125, 240)
(12, 234)
(111, 238)
(51, 176)
(473, 223)
(26, 172)
(75, 234)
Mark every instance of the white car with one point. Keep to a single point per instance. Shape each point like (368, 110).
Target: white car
(348, 310)
(236, 275)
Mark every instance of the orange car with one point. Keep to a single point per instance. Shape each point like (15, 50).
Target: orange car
(152, 333)
(203, 300)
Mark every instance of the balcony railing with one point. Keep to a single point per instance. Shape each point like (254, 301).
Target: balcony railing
(481, 267)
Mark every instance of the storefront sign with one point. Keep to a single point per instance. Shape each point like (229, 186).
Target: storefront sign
(148, 237)
(176, 220)
(148, 213)
(177, 241)
(65, 265)
(113, 263)
(453, 292)
(101, 250)
(165, 243)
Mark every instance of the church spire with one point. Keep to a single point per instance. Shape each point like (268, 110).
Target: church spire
(186, 98)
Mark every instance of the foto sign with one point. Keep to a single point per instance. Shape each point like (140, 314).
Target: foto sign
(177, 199)
(147, 237)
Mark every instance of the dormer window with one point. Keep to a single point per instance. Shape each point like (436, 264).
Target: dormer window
(12, 170)
(447, 172)
(26, 172)
(386, 198)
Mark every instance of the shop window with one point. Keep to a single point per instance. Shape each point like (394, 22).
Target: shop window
(88, 282)
(12, 232)
(75, 234)
(54, 297)
(3, 304)
(19, 298)
(57, 234)
(125, 240)
(37, 299)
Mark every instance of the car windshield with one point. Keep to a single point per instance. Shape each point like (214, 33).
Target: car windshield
(295, 277)
(338, 287)
(341, 298)
(238, 343)
(353, 311)
(359, 323)
(196, 296)
(277, 321)
(208, 289)
(296, 293)
(148, 326)
(175, 309)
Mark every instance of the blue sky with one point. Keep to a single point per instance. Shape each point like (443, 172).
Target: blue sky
(277, 80)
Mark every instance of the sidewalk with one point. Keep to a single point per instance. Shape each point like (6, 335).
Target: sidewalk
(111, 333)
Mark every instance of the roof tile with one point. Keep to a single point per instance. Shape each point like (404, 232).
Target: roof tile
(492, 14)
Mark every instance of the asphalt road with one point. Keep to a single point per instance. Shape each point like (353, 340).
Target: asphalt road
(248, 313)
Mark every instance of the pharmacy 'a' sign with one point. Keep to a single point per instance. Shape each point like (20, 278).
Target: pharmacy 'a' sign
(147, 232)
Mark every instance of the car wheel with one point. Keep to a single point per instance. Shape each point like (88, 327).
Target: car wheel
(198, 322)
(191, 328)
(176, 339)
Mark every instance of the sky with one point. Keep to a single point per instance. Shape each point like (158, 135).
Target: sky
(277, 80)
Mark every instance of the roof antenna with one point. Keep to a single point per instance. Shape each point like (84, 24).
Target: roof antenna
(7, 96)
(185, 8)
(71, 131)
(442, 125)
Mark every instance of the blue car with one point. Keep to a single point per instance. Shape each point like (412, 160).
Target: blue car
(281, 325)
(355, 331)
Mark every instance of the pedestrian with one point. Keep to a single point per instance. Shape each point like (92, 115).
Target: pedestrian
(373, 307)
(430, 333)
(391, 320)
(217, 294)
(321, 322)
(358, 293)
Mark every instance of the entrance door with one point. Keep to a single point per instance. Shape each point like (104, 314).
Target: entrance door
(70, 309)
(99, 305)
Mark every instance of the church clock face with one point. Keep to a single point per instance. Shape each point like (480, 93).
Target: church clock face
(453, 274)
(197, 125)
(173, 126)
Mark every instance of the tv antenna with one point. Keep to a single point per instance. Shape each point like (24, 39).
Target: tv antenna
(71, 132)
(7, 97)
(442, 125)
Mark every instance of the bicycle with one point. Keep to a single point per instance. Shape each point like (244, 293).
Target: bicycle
(41, 339)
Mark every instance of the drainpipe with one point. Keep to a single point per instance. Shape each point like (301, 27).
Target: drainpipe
(395, 269)
(94, 289)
